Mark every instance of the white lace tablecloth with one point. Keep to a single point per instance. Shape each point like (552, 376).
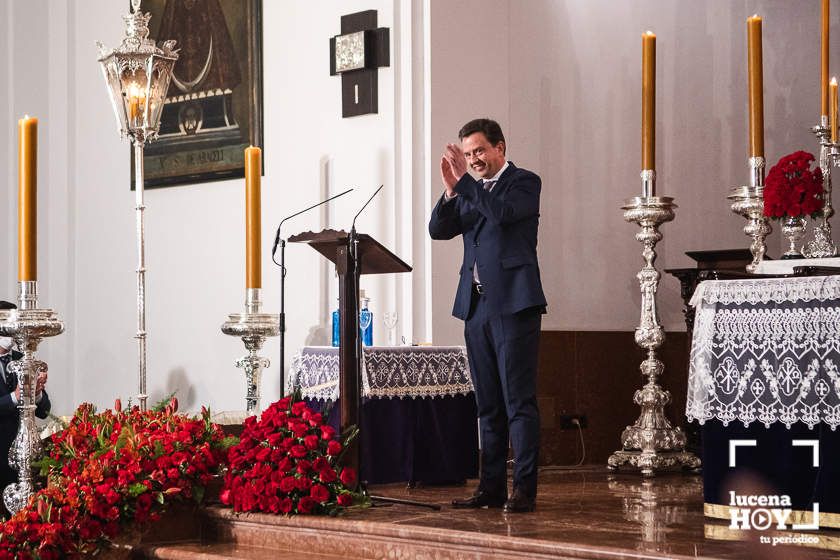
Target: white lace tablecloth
(766, 350)
(388, 371)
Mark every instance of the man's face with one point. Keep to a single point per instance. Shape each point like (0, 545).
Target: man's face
(482, 157)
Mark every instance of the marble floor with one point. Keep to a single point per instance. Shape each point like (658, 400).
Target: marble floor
(621, 514)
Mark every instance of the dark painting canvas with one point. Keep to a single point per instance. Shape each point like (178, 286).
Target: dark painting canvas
(213, 108)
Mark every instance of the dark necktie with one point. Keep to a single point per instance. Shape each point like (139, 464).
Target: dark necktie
(488, 185)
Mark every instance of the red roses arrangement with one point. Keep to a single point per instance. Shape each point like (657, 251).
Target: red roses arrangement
(286, 462)
(792, 188)
(112, 472)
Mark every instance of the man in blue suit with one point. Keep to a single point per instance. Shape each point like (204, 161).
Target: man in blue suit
(501, 300)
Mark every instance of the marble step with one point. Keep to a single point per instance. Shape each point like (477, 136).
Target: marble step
(223, 551)
(352, 538)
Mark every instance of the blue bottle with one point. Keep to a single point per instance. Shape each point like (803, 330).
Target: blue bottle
(336, 328)
(366, 323)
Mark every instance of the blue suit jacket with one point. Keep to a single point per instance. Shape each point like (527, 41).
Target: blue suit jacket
(499, 229)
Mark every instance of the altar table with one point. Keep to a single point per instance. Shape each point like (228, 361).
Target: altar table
(418, 415)
(764, 366)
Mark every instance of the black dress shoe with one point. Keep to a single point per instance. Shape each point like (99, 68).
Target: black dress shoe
(519, 503)
(479, 500)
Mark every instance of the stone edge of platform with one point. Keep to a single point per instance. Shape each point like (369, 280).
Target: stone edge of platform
(332, 534)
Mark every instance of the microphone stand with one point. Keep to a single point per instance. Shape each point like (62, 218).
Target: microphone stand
(353, 240)
(282, 264)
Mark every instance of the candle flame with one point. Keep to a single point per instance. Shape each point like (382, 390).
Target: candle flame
(650, 33)
(834, 81)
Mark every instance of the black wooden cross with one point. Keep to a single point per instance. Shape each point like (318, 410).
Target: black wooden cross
(356, 54)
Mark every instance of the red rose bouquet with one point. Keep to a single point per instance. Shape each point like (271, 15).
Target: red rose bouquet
(287, 462)
(792, 188)
(110, 473)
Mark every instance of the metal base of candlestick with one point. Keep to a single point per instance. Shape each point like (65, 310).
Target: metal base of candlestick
(748, 201)
(27, 326)
(651, 443)
(822, 246)
(253, 327)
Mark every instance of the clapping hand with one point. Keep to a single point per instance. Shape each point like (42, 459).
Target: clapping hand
(453, 166)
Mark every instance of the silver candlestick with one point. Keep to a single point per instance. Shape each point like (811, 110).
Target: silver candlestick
(652, 443)
(748, 201)
(822, 245)
(253, 327)
(26, 325)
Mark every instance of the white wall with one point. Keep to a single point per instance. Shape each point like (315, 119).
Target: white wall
(564, 80)
(562, 77)
(195, 234)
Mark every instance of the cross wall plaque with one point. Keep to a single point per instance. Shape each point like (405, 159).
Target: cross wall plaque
(356, 54)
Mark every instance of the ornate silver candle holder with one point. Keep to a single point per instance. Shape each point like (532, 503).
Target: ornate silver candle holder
(748, 201)
(253, 327)
(652, 443)
(26, 325)
(822, 245)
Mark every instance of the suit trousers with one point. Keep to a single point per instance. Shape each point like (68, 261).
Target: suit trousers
(502, 350)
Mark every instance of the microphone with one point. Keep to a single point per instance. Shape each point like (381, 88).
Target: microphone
(277, 237)
(282, 265)
(353, 228)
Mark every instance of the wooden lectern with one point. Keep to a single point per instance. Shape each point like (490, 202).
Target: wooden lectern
(371, 257)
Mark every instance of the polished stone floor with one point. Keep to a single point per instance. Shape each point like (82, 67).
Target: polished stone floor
(642, 518)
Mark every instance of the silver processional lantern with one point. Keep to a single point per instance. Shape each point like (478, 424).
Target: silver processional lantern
(137, 74)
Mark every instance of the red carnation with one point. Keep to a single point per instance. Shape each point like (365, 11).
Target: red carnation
(344, 500)
(288, 484)
(278, 466)
(306, 505)
(348, 476)
(299, 408)
(311, 441)
(792, 188)
(327, 432)
(319, 493)
(327, 475)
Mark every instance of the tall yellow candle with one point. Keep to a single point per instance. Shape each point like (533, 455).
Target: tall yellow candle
(648, 100)
(833, 111)
(253, 172)
(27, 198)
(824, 59)
(756, 87)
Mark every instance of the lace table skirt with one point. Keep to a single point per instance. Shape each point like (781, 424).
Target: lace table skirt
(766, 350)
(388, 371)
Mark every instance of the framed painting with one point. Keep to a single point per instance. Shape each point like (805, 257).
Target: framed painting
(214, 107)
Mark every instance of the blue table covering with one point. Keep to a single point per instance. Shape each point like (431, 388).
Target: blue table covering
(418, 415)
(764, 368)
